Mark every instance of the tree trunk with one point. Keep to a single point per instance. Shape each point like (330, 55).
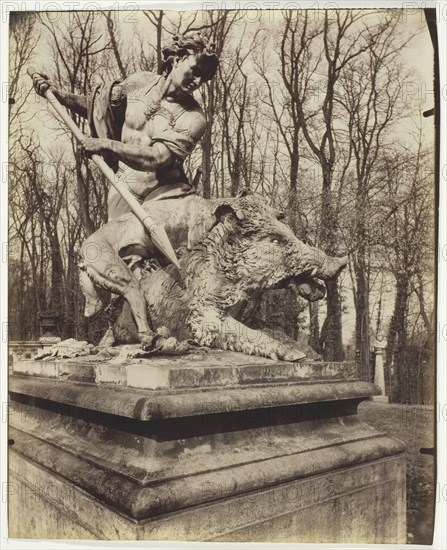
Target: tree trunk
(362, 335)
(293, 202)
(236, 176)
(314, 327)
(159, 42)
(397, 339)
(331, 342)
(56, 300)
(112, 33)
(207, 144)
(83, 199)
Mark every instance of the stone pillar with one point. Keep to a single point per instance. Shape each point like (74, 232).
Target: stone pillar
(379, 371)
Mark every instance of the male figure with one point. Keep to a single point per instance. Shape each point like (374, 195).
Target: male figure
(144, 127)
(148, 124)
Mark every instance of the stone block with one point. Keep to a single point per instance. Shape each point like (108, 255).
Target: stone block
(111, 374)
(140, 376)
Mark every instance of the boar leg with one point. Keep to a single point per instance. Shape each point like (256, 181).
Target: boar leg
(214, 328)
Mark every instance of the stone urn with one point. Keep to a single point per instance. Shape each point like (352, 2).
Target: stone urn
(49, 328)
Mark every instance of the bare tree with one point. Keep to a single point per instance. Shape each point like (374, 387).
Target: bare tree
(116, 43)
(238, 116)
(156, 19)
(27, 263)
(407, 233)
(77, 46)
(49, 199)
(371, 86)
(318, 58)
(219, 24)
(27, 256)
(23, 41)
(313, 54)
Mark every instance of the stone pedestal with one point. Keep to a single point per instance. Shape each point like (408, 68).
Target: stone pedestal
(217, 446)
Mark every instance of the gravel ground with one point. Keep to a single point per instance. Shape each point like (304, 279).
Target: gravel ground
(415, 426)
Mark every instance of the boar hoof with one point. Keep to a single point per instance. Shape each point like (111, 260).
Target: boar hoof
(147, 340)
(292, 355)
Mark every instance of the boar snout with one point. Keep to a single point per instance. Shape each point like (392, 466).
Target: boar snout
(331, 268)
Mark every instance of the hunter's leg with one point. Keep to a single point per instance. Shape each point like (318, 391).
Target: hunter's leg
(96, 299)
(117, 277)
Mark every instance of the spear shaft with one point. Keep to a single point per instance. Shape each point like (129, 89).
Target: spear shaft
(156, 231)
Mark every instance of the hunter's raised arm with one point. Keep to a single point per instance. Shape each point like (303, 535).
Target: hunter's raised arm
(74, 102)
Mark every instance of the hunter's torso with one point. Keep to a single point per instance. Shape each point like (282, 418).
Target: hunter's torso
(152, 117)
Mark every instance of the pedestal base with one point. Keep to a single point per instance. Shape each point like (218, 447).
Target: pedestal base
(216, 450)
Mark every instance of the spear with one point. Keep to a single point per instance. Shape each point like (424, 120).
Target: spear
(156, 232)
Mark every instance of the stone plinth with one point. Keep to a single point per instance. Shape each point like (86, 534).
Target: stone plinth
(215, 446)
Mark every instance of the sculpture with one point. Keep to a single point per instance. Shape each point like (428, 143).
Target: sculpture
(233, 250)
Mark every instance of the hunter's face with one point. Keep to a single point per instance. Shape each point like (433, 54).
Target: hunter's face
(187, 74)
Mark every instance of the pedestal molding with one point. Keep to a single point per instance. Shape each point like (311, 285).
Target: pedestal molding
(154, 404)
(139, 502)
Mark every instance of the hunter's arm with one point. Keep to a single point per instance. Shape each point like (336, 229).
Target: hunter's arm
(74, 102)
(177, 142)
(143, 158)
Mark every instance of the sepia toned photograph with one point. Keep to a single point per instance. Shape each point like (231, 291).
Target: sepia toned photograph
(222, 274)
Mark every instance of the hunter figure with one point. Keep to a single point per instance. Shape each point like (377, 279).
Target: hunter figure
(146, 125)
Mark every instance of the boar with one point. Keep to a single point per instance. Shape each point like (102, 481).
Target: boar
(233, 250)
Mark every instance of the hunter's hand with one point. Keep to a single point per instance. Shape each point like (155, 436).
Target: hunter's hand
(42, 84)
(94, 146)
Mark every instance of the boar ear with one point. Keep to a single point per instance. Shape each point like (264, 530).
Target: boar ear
(244, 192)
(280, 215)
(225, 208)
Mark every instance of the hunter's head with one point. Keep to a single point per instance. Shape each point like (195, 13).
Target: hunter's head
(190, 60)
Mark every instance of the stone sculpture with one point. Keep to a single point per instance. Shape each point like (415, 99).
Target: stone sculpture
(231, 250)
